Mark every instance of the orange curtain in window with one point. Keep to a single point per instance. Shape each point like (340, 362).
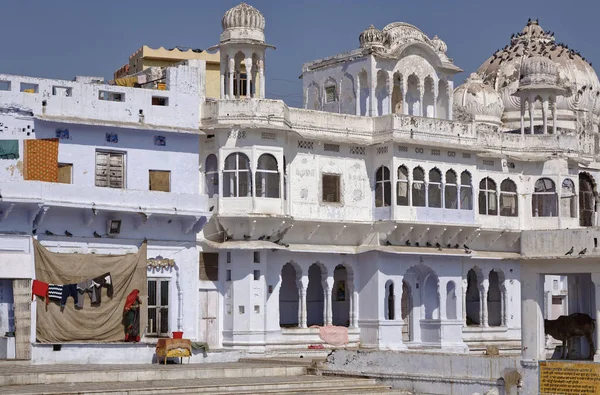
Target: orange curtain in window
(40, 158)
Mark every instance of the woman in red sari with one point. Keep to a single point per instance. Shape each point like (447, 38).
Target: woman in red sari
(131, 317)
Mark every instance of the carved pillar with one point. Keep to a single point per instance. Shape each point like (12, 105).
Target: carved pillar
(328, 313)
(372, 99)
(531, 113)
(443, 302)
(484, 304)
(421, 95)
(522, 115)
(404, 89)
(238, 75)
(435, 99)
(554, 116)
(248, 62)
(261, 76)
(450, 94)
(545, 115)
(503, 301)
(223, 71)
(303, 287)
(357, 94)
(390, 92)
(464, 301)
(231, 75)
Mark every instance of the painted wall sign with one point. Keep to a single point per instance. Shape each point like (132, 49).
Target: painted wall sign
(557, 377)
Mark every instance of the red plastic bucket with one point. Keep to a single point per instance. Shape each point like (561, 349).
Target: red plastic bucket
(177, 335)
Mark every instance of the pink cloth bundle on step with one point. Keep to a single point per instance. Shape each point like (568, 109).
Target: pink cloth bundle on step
(334, 335)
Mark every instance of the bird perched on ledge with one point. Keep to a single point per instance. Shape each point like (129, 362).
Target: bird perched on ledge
(570, 251)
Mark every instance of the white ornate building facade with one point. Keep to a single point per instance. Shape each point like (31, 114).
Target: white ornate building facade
(393, 204)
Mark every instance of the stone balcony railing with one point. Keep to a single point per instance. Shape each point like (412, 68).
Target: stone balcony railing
(352, 129)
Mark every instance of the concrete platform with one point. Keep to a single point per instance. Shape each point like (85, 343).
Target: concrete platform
(247, 377)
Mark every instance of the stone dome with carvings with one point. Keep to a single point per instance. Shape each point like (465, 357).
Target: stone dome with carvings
(243, 22)
(539, 71)
(478, 100)
(439, 45)
(371, 37)
(507, 69)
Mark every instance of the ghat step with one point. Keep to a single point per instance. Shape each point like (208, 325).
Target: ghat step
(223, 378)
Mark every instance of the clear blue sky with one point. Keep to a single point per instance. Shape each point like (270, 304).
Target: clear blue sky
(64, 38)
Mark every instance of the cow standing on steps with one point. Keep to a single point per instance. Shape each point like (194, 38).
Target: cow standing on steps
(566, 327)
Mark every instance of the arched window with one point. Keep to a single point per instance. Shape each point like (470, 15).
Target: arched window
(508, 199)
(390, 299)
(383, 187)
(402, 187)
(568, 202)
(451, 190)
(543, 203)
(418, 187)
(267, 177)
(237, 178)
(466, 191)
(587, 200)
(434, 188)
(211, 175)
(488, 197)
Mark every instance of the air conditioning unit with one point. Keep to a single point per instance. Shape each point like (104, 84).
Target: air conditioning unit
(113, 227)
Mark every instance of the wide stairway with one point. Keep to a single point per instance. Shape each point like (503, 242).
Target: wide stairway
(247, 376)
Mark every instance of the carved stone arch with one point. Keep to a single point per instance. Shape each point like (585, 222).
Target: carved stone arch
(473, 307)
(290, 295)
(496, 298)
(413, 94)
(398, 92)
(364, 92)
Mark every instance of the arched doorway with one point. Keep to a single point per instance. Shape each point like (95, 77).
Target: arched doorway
(315, 302)
(289, 299)
(431, 299)
(407, 307)
(494, 300)
(587, 200)
(340, 297)
(473, 299)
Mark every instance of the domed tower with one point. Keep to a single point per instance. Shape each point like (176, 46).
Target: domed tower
(479, 101)
(242, 47)
(539, 82)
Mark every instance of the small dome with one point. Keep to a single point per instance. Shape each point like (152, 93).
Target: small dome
(243, 22)
(539, 70)
(439, 45)
(479, 100)
(372, 37)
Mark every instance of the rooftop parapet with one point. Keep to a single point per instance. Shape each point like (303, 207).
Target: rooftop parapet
(83, 101)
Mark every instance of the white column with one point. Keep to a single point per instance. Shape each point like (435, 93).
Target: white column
(545, 114)
(596, 281)
(261, 77)
(372, 99)
(238, 75)
(531, 113)
(223, 71)
(358, 94)
(231, 78)
(390, 92)
(404, 103)
(248, 78)
(554, 116)
(450, 94)
(303, 288)
(484, 298)
(532, 321)
(464, 301)
(328, 313)
(421, 95)
(522, 115)
(435, 98)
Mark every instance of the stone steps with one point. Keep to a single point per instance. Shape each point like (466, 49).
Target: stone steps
(247, 377)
